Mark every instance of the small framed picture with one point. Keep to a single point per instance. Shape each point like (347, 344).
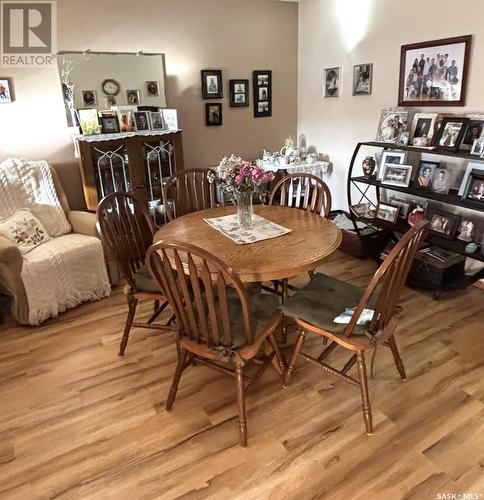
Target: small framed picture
(239, 93)
(110, 124)
(152, 88)
(89, 98)
(141, 120)
(466, 230)
(443, 223)
(396, 175)
(332, 82)
(425, 174)
(6, 91)
(89, 121)
(434, 73)
(450, 133)
(170, 116)
(475, 186)
(212, 84)
(392, 124)
(405, 206)
(387, 212)
(213, 114)
(441, 181)
(262, 89)
(478, 147)
(422, 131)
(132, 96)
(471, 167)
(474, 131)
(395, 157)
(109, 101)
(156, 120)
(403, 139)
(363, 210)
(362, 79)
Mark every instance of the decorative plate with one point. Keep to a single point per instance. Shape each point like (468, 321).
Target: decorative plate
(111, 87)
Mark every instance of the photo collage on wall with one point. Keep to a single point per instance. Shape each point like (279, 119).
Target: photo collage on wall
(212, 89)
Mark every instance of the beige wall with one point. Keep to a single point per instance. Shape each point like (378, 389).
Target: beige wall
(237, 36)
(347, 32)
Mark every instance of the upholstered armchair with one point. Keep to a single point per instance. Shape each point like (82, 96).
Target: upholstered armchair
(12, 260)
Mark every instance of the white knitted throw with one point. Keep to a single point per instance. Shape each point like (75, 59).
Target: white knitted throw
(69, 268)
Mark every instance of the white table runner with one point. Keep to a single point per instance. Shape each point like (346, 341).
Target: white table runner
(261, 229)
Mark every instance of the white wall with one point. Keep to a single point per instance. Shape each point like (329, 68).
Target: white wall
(348, 32)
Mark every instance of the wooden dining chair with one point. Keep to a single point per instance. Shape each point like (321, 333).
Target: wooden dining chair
(315, 307)
(304, 191)
(219, 325)
(188, 191)
(125, 227)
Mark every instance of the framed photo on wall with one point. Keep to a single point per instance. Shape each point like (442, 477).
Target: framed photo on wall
(6, 91)
(332, 82)
(212, 84)
(213, 114)
(239, 93)
(262, 88)
(434, 73)
(362, 79)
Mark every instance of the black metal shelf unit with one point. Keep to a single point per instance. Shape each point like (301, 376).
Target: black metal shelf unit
(368, 186)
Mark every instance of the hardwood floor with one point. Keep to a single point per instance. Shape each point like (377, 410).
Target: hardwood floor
(78, 421)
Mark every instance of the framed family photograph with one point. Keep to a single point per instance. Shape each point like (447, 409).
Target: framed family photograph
(152, 88)
(475, 186)
(170, 117)
(156, 120)
(395, 157)
(141, 120)
(404, 205)
(212, 87)
(422, 131)
(392, 124)
(387, 212)
(239, 93)
(478, 147)
(332, 82)
(396, 175)
(262, 88)
(471, 167)
(126, 117)
(110, 124)
(213, 114)
(425, 174)
(362, 79)
(89, 99)
(6, 91)
(443, 224)
(132, 97)
(474, 131)
(450, 133)
(441, 181)
(434, 73)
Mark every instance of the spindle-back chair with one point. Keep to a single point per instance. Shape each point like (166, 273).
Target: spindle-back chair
(125, 227)
(188, 191)
(219, 325)
(381, 295)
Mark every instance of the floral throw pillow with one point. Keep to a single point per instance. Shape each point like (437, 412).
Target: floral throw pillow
(25, 230)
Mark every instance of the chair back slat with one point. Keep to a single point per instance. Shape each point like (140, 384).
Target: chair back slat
(202, 291)
(124, 225)
(189, 191)
(389, 280)
(304, 191)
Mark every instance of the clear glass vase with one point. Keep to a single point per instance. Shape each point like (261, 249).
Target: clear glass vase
(245, 209)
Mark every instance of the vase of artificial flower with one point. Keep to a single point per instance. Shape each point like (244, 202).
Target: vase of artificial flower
(240, 180)
(245, 210)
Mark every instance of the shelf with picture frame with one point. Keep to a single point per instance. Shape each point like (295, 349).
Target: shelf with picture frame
(365, 188)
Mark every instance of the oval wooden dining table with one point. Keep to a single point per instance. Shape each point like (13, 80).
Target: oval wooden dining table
(312, 240)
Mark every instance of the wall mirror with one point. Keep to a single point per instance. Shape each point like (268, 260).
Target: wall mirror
(101, 80)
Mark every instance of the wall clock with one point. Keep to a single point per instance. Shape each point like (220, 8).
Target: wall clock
(111, 87)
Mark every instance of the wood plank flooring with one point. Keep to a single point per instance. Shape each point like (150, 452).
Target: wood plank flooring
(77, 421)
